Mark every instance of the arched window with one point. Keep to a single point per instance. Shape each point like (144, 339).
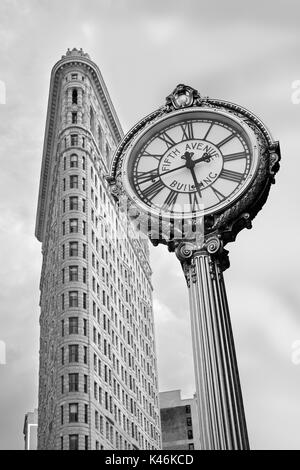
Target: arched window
(74, 161)
(74, 96)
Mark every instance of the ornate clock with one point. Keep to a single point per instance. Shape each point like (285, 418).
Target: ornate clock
(193, 174)
(195, 157)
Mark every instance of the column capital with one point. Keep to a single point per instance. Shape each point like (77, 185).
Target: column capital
(211, 246)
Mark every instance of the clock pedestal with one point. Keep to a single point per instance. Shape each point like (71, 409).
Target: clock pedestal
(221, 411)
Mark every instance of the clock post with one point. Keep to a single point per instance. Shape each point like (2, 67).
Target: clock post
(220, 404)
(194, 173)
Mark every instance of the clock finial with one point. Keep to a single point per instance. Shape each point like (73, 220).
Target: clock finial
(183, 96)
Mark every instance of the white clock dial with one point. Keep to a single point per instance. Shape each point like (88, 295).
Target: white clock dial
(191, 163)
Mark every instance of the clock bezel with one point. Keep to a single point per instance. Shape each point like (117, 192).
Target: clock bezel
(233, 121)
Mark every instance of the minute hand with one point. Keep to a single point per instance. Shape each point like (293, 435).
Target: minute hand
(174, 169)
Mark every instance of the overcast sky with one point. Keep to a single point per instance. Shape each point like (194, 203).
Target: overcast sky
(243, 52)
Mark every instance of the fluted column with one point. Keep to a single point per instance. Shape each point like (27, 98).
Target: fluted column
(220, 404)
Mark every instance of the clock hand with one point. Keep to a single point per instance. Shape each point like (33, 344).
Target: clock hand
(174, 169)
(205, 158)
(190, 165)
(197, 185)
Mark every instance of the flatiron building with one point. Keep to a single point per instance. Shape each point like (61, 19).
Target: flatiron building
(98, 373)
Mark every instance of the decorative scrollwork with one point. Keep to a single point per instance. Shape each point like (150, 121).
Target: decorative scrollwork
(184, 250)
(213, 245)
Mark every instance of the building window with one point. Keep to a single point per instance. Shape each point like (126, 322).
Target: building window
(85, 354)
(189, 421)
(74, 140)
(73, 382)
(73, 248)
(84, 250)
(84, 301)
(74, 161)
(73, 182)
(73, 442)
(100, 138)
(73, 273)
(63, 228)
(62, 384)
(85, 327)
(74, 96)
(73, 353)
(61, 414)
(61, 443)
(83, 205)
(188, 409)
(107, 151)
(86, 442)
(74, 76)
(85, 383)
(84, 275)
(190, 434)
(73, 413)
(73, 326)
(73, 298)
(73, 203)
(83, 162)
(62, 356)
(73, 227)
(191, 447)
(74, 118)
(83, 227)
(86, 413)
(83, 184)
(92, 120)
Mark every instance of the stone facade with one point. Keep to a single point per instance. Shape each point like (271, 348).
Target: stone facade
(98, 373)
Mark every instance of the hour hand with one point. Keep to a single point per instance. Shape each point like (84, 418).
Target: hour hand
(205, 158)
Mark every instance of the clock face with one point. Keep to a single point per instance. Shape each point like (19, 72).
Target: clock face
(193, 162)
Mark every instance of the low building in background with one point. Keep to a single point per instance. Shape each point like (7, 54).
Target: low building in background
(179, 421)
(30, 430)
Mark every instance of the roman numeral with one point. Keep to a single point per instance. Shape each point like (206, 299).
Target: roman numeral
(145, 176)
(153, 189)
(224, 141)
(187, 131)
(234, 156)
(167, 139)
(194, 203)
(231, 175)
(208, 131)
(170, 201)
(147, 154)
(219, 195)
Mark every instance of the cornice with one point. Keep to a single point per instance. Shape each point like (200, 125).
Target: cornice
(70, 61)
